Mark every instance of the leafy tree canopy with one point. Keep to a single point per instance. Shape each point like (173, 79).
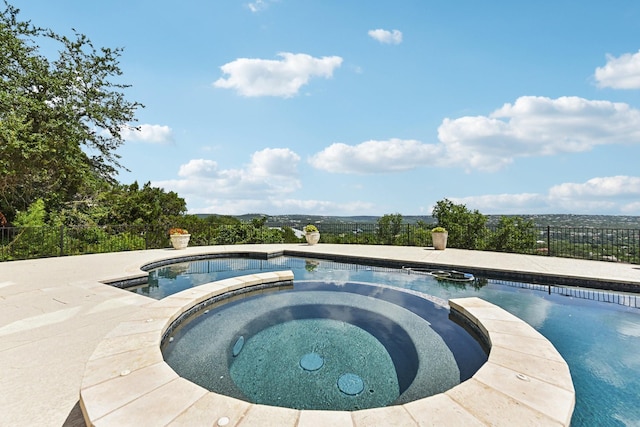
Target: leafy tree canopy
(60, 118)
(389, 226)
(130, 204)
(466, 228)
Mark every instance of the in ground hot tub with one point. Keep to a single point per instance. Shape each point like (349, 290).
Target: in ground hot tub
(328, 346)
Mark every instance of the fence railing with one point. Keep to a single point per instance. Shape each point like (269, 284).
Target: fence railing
(615, 245)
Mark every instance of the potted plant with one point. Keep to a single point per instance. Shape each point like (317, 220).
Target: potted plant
(439, 236)
(312, 234)
(179, 237)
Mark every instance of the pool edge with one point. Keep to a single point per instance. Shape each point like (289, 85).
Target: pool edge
(125, 378)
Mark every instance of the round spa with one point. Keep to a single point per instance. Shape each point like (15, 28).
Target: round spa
(329, 346)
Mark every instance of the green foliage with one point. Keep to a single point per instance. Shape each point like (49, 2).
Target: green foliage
(33, 217)
(130, 204)
(513, 234)
(218, 220)
(289, 236)
(60, 118)
(310, 228)
(466, 229)
(389, 227)
(247, 233)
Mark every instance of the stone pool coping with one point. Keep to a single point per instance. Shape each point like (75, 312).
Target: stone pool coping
(127, 382)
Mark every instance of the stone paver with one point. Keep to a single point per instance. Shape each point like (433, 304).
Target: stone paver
(55, 311)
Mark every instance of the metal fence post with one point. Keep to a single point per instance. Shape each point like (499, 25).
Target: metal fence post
(548, 240)
(62, 240)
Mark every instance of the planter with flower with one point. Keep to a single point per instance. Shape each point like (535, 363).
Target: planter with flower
(312, 234)
(439, 237)
(179, 238)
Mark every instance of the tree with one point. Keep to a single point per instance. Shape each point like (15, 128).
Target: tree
(130, 204)
(513, 234)
(60, 119)
(466, 228)
(389, 227)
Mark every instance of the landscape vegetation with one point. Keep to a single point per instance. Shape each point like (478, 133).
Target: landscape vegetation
(61, 123)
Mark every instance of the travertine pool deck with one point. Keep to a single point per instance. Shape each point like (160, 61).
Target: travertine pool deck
(55, 312)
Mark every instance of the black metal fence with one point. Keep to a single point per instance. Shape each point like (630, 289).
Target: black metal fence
(614, 245)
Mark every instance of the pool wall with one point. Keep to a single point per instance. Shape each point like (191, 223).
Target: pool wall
(127, 382)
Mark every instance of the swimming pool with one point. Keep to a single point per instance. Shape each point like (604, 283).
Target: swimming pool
(600, 341)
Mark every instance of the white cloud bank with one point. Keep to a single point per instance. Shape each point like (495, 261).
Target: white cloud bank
(282, 78)
(264, 185)
(152, 134)
(271, 173)
(614, 194)
(620, 73)
(394, 155)
(530, 127)
(386, 36)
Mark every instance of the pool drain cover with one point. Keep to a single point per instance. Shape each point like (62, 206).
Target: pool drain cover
(237, 347)
(311, 362)
(350, 384)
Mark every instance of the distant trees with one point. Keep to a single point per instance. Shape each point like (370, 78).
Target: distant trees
(389, 227)
(513, 234)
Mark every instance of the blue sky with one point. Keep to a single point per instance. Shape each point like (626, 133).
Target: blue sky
(334, 107)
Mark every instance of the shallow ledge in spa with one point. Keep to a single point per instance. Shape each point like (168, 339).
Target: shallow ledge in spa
(126, 380)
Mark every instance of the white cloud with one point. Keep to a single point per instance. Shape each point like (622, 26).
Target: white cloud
(620, 73)
(601, 187)
(632, 208)
(282, 78)
(393, 155)
(272, 172)
(257, 6)
(536, 126)
(613, 194)
(530, 127)
(264, 185)
(153, 134)
(386, 36)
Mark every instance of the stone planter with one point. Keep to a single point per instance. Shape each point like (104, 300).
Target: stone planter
(312, 238)
(180, 241)
(439, 240)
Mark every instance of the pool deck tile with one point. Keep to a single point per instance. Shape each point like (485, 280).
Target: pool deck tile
(158, 407)
(325, 418)
(125, 342)
(441, 410)
(54, 312)
(211, 408)
(390, 416)
(494, 408)
(510, 328)
(105, 397)
(105, 368)
(555, 402)
(269, 416)
(551, 371)
(527, 345)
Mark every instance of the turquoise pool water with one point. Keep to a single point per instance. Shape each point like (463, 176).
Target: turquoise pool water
(324, 346)
(600, 341)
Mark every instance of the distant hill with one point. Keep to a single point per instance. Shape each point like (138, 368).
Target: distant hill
(552, 220)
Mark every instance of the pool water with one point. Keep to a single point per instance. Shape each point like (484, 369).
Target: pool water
(324, 346)
(600, 341)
